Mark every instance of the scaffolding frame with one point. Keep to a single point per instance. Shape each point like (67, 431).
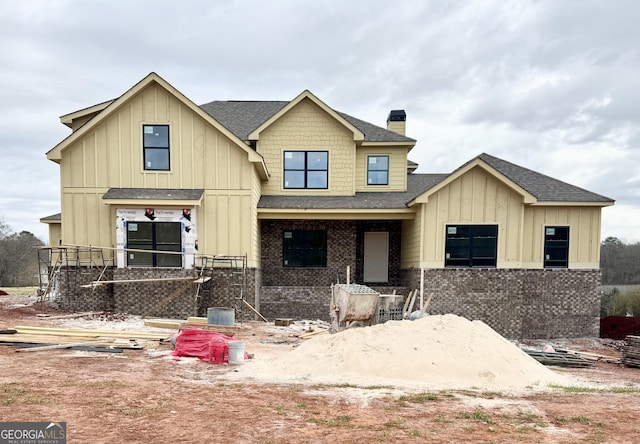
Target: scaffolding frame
(77, 260)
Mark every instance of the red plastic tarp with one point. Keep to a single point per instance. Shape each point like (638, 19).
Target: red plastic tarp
(208, 346)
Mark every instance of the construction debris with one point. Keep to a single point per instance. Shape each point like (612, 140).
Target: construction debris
(631, 352)
(559, 359)
(44, 338)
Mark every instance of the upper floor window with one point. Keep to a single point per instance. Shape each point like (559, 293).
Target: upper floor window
(156, 147)
(556, 247)
(304, 248)
(306, 169)
(471, 246)
(378, 170)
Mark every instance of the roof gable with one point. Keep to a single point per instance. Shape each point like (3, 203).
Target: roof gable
(306, 94)
(55, 153)
(535, 188)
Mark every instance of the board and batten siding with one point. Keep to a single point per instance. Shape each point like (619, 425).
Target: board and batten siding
(111, 156)
(474, 198)
(584, 234)
(397, 168)
(479, 198)
(307, 127)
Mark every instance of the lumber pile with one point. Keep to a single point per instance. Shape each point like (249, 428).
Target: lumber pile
(45, 338)
(631, 352)
(559, 359)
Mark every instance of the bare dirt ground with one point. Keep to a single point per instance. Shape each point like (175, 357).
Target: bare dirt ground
(146, 397)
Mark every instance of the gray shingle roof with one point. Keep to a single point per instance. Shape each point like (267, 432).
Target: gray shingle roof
(416, 185)
(242, 117)
(544, 188)
(153, 194)
(52, 218)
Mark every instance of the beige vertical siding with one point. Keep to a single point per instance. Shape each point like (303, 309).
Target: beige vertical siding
(110, 156)
(397, 168)
(584, 234)
(479, 198)
(412, 239)
(306, 127)
(474, 198)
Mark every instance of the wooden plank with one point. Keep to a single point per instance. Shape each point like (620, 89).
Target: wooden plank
(60, 346)
(164, 323)
(70, 316)
(254, 310)
(135, 281)
(70, 332)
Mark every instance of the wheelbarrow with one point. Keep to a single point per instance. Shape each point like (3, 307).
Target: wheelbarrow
(352, 303)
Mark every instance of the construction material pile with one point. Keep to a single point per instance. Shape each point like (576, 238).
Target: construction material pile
(435, 352)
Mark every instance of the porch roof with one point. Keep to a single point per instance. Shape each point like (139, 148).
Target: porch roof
(416, 185)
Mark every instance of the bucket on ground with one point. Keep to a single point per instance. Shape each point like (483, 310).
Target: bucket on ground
(236, 352)
(221, 316)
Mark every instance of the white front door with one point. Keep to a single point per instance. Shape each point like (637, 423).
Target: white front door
(376, 256)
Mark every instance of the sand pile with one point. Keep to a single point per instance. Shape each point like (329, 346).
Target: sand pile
(436, 352)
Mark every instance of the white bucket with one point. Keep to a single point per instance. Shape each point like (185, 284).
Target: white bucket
(236, 352)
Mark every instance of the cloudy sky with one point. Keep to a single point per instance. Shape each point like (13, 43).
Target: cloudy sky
(550, 85)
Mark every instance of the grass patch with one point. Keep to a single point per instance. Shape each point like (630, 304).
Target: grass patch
(419, 398)
(576, 389)
(12, 394)
(338, 421)
(443, 419)
(396, 424)
(478, 415)
(579, 419)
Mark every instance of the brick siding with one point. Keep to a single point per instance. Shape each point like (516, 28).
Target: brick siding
(517, 303)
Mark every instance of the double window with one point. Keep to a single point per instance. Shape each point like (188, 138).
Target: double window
(306, 169)
(155, 236)
(378, 170)
(556, 247)
(304, 248)
(471, 246)
(155, 141)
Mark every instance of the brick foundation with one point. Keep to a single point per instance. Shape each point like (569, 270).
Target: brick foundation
(160, 298)
(517, 303)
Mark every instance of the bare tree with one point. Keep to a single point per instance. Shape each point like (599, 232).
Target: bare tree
(18, 258)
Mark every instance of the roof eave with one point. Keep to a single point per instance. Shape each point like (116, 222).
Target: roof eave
(336, 214)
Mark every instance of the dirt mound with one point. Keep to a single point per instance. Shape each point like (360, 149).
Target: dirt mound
(436, 352)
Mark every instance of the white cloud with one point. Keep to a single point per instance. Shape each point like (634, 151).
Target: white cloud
(545, 84)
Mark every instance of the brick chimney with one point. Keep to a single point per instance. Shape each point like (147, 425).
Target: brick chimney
(397, 121)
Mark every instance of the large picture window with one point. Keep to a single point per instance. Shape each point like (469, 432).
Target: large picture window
(304, 248)
(158, 236)
(306, 169)
(556, 247)
(156, 147)
(378, 170)
(471, 246)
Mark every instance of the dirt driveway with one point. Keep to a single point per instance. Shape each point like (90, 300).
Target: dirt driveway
(146, 397)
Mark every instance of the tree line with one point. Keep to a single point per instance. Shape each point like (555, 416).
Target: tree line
(619, 262)
(18, 258)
